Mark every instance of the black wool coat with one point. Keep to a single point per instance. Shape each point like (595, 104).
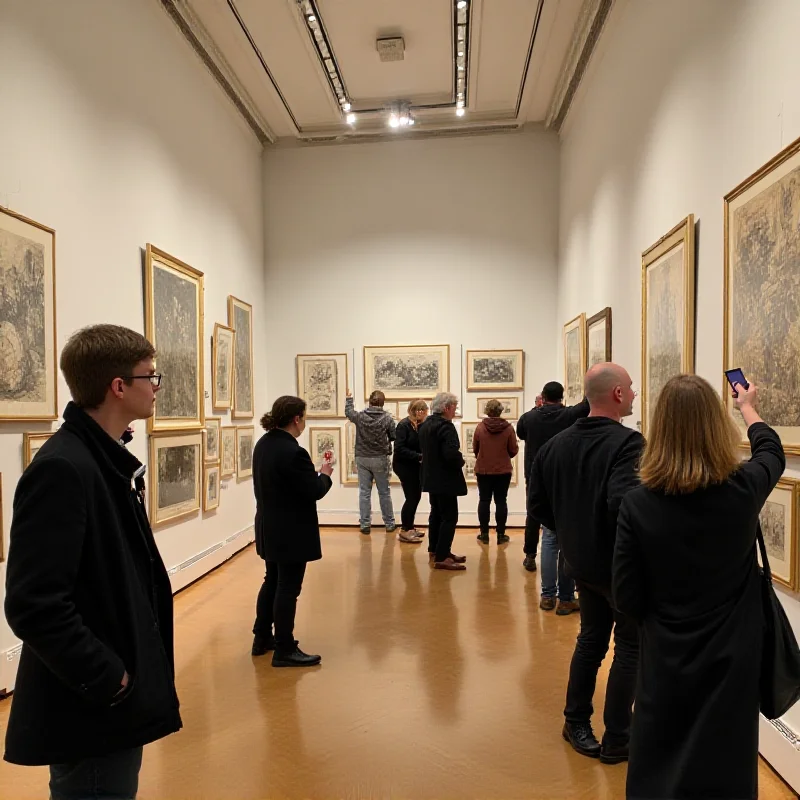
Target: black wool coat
(287, 488)
(88, 595)
(442, 461)
(685, 567)
(407, 453)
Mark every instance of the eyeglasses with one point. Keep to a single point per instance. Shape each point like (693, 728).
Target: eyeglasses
(155, 379)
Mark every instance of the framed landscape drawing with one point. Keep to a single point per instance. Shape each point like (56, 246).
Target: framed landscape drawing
(227, 445)
(762, 301)
(28, 368)
(495, 370)
(668, 269)
(211, 447)
(245, 442)
(240, 318)
(173, 304)
(211, 487)
(574, 359)
(349, 471)
(176, 468)
(510, 406)
(778, 520)
(321, 440)
(222, 355)
(598, 338)
(407, 372)
(322, 381)
(31, 442)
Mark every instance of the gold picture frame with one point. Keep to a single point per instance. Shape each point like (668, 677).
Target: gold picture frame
(509, 403)
(2, 526)
(467, 433)
(211, 487)
(31, 443)
(211, 441)
(783, 501)
(668, 278)
(323, 381)
(182, 497)
(223, 353)
(321, 439)
(227, 451)
(405, 372)
(174, 323)
(598, 338)
(245, 443)
(574, 341)
(495, 370)
(29, 358)
(240, 318)
(348, 470)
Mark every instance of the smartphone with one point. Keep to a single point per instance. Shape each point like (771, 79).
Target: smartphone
(735, 376)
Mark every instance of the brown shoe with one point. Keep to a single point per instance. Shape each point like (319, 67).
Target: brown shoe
(448, 563)
(547, 603)
(568, 607)
(431, 557)
(458, 559)
(409, 537)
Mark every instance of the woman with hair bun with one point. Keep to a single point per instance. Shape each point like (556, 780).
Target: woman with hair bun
(287, 488)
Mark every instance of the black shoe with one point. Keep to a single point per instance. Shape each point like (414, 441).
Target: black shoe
(613, 753)
(262, 645)
(391, 528)
(530, 563)
(295, 658)
(365, 530)
(503, 539)
(483, 538)
(581, 737)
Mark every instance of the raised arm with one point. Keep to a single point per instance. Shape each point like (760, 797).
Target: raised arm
(349, 408)
(578, 411)
(628, 583)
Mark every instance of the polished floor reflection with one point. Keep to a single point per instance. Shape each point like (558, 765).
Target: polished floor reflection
(433, 685)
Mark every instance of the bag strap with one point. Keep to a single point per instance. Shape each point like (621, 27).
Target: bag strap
(763, 548)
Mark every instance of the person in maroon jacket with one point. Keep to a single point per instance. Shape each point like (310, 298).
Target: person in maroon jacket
(494, 444)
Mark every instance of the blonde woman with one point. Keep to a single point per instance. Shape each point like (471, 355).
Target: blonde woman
(685, 567)
(406, 465)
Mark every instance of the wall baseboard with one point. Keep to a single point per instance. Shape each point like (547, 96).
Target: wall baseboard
(778, 745)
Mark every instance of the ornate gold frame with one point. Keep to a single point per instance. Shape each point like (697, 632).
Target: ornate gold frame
(243, 474)
(216, 403)
(298, 364)
(236, 412)
(580, 323)
(194, 437)
(206, 470)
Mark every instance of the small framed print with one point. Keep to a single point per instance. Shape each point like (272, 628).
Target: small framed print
(245, 442)
(211, 447)
(574, 338)
(598, 338)
(778, 520)
(510, 406)
(495, 370)
(322, 440)
(323, 382)
(175, 470)
(349, 470)
(211, 486)
(31, 443)
(222, 359)
(227, 445)
(467, 434)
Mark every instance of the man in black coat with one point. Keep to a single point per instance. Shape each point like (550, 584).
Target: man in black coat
(577, 483)
(86, 589)
(443, 478)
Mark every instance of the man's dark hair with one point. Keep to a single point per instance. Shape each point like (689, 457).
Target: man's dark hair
(377, 398)
(94, 356)
(553, 392)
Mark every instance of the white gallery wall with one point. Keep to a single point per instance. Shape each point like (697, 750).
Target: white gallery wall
(114, 135)
(684, 101)
(431, 241)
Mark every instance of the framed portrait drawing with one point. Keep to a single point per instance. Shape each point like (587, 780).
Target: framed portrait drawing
(407, 372)
(176, 468)
(31, 442)
(778, 520)
(211, 447)
(510, 406)
(495, 370)
(668, 269)
(173, 304)
(322, 381)
(222, 356)
(245, 442)
(574, 359)
(240, 318)
(762, 308)
(227, 451)
(211, 487)
(598, 338)
(348, 469)
(28, 363)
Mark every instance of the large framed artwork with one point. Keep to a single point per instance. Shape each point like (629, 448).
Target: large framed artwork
(322, 440)
(211, 448)
(176, 469)
(245, 442)
(668, 269)
(598, 338)
(222, 356)
(574, 359)
(227, 445)
(407, 372)
(31, 443)
(762, 301)
(28, 369)
(510, 406)
(778, 520)
(211, 487)
(322, 381)
(495, 370)
(240, 318)
(173, 304)
(349, 470)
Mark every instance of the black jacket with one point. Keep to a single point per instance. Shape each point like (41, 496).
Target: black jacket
(88, 595)
(577, 483)
(539, 425)
(407, 452)
(287, 488)
(442, 461)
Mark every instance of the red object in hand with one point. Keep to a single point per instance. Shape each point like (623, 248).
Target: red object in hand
(328, 456)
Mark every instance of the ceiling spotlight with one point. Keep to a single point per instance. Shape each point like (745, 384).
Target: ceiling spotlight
(459, 112)
(461, 69)
(351, 119)
(404, 119)
(347, 106)
(462, 4)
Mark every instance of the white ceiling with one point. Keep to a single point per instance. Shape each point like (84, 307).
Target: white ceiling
(263, 52)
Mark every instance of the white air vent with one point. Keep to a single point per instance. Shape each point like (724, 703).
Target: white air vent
(391, 49)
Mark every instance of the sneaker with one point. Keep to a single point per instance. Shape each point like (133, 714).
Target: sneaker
(503, 539)
(613, 753)
(365, 529)
(567, 607)
(581, 736)
(483, 538)
(547, 603)
(391, 528)
(409, 537)
(262, 645)
(294, 658)
(530, 563)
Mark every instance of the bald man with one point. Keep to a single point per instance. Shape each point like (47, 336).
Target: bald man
(577, 483)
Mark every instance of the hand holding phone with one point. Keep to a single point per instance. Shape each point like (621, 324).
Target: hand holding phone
(736, 376)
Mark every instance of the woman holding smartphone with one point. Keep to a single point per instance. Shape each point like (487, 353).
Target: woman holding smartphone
(685, 567)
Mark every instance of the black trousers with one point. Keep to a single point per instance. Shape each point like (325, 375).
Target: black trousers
(412, 490)
(597, 620)
(532, 527)
(277, 602)
(442, 524)
(493, 486)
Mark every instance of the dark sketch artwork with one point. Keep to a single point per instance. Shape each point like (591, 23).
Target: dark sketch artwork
(177, 475)
(407, 371)
(212, 443)
(223, 360)
(495, 370)
(597, 344)
(245, 452)
(320, 381)
(228, 454)
(324, 442)
(212, 490)
(243, 396)
(176, 321)
(573, 367)
(773, 527)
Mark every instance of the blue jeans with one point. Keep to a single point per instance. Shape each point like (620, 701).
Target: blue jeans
(374, 468)
(553, 569)
(111, 777)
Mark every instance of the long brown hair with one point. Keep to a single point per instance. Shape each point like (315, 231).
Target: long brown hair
(693, 441)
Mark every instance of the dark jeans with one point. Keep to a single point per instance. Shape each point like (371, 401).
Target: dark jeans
(277, 602)
(412, 489)
(111, 777)
(442, 524)
(597, 619)
(497, 486)
(532, 526)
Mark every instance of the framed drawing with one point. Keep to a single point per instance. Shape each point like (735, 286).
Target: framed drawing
(320, 440)
(211, 448)
(392, 407)
(668, 269)
(28, 368)
(31, 442)
(349, 471)
(574, 359)
(762, 313)
(176, 467)
(778, 520)
(2, 532)
(598, 338)
(240, 318)
(407, 372)
(510, 406)
(222, 355)
(322, 381)
(495, 370)
(173, 305)
(227, 451)
(211, 487)
(245, 442)
(467, 432)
